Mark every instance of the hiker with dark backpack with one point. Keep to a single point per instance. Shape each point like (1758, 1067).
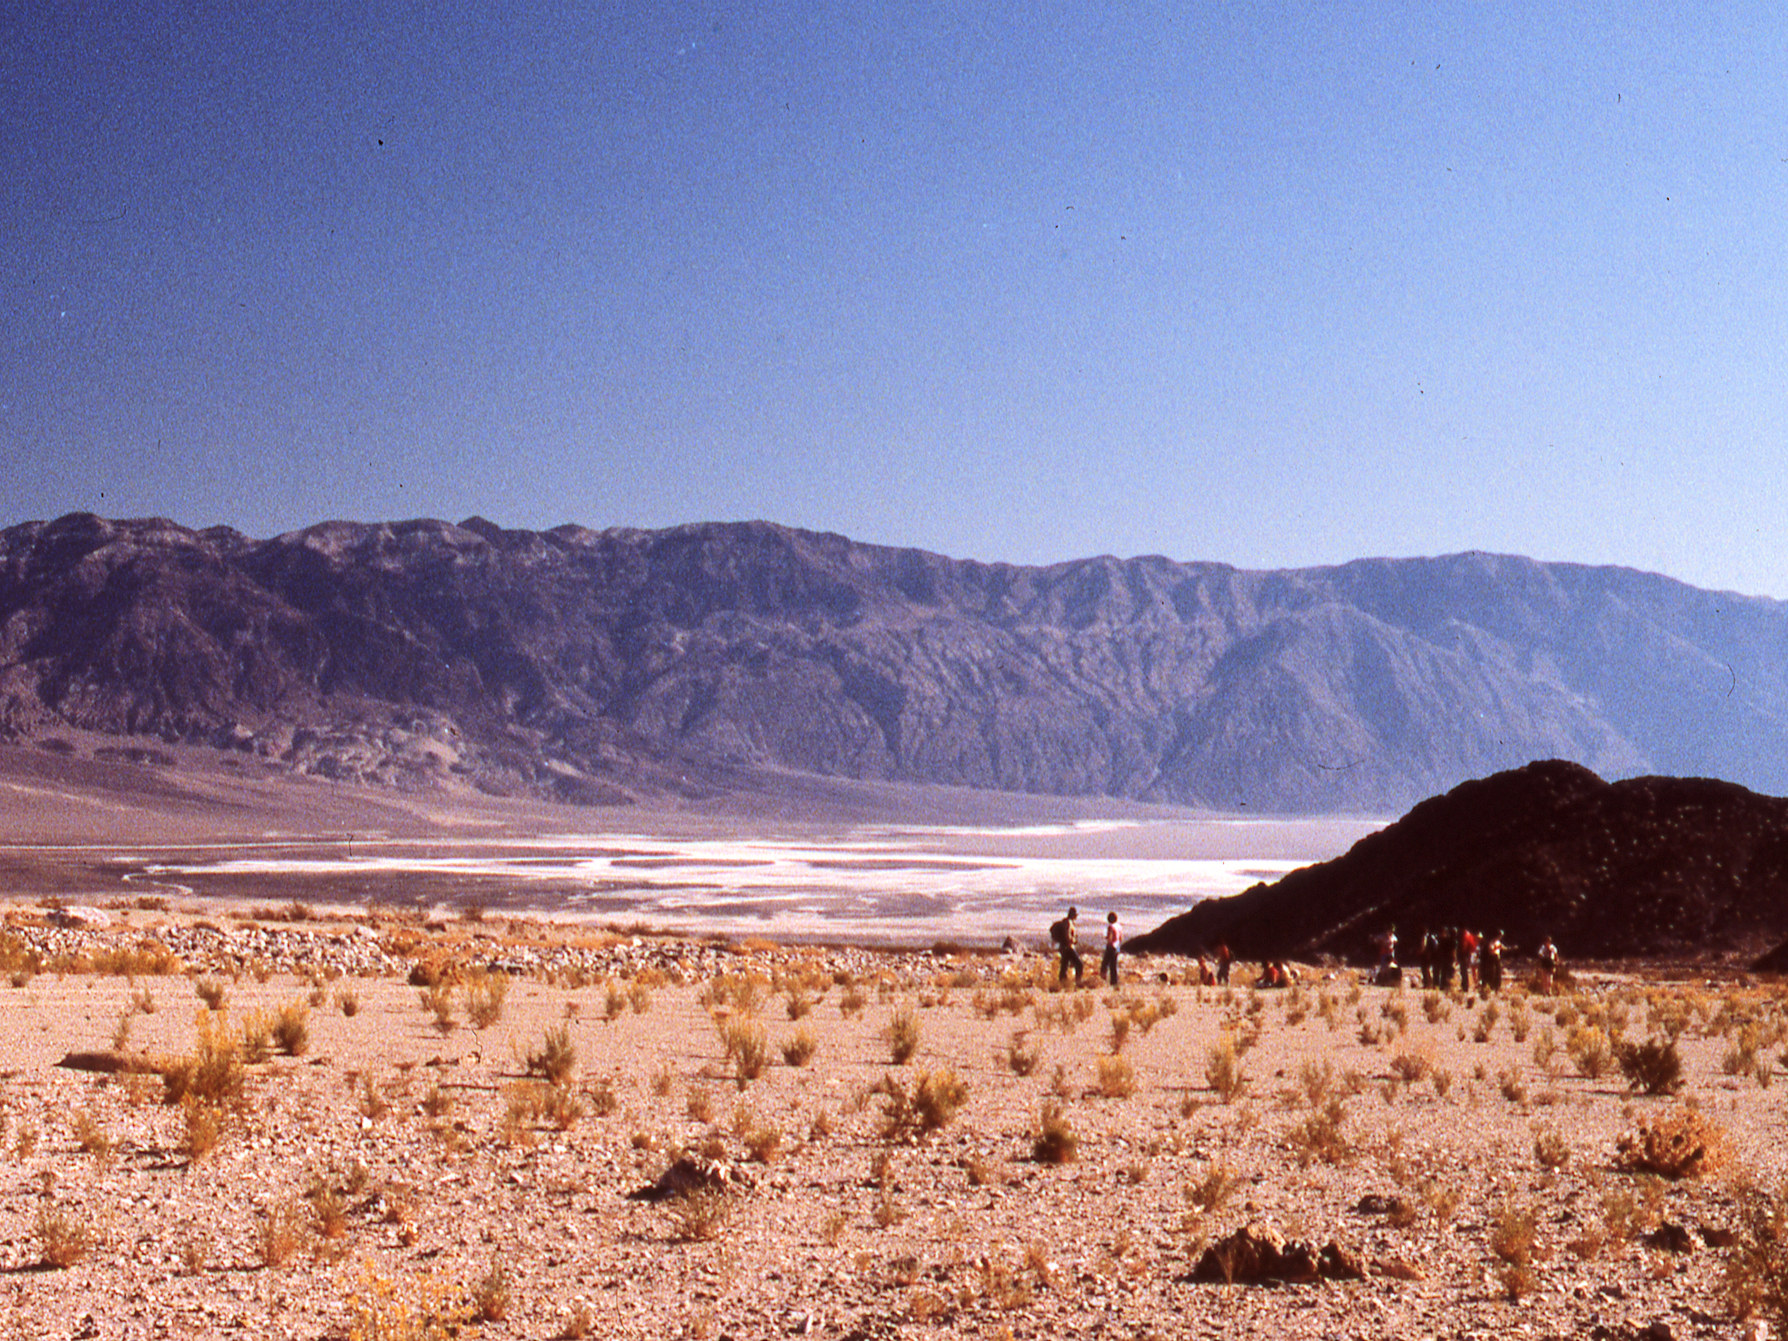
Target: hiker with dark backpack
(1061, 931)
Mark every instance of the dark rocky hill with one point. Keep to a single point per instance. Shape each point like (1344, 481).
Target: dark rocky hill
(592, 666)
(1645, 866)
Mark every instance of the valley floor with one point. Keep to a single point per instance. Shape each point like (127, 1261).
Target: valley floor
(422, 1157)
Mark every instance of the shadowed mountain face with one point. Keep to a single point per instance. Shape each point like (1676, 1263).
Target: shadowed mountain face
(594, 665)
(1645, 866)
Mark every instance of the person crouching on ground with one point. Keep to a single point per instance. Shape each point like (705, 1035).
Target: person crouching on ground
(1114, 937)
(1063, 934)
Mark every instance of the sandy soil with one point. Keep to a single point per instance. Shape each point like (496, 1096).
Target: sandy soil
(392, 1171)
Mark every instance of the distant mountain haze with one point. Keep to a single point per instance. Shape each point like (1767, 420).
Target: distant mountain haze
(597, 666)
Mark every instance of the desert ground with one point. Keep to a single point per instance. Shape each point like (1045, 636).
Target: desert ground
(236, 1120)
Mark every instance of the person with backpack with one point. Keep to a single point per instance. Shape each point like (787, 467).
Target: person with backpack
(1114, 937)
(1548, 966)
(1062, 932)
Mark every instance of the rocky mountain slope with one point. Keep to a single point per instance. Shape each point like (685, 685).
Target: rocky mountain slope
(1645, 866)
(593, 666)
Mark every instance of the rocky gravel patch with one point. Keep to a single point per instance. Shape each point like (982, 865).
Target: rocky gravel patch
(398, 1168)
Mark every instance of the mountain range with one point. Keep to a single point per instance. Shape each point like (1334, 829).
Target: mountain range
(601, 666)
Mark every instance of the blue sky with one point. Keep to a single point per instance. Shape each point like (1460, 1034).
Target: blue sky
(1274, 285)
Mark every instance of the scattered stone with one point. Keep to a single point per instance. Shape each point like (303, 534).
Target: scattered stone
(692, 1174)
(1258, 1253)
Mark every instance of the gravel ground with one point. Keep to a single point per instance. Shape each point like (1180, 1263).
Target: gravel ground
(393, 1172)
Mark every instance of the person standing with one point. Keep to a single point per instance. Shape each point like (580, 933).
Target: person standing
(1490, 963)
(1114, 937)
(1063, 934)
(1548, 966)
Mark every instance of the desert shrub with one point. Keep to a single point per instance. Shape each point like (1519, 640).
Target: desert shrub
(1512, 1085)
(203, 1128)
(1550, 1149)
(214, 1072)
(256, 1035)
(1590, 1051)
(1410, 1067)
(291, 1028)
(92, 1137)
(1055, 1140)
(1316, 1080)
(1223, 1070)
(347, 1001)
(1683, 1143)
(1117, 1078)
(603, 1100)
(329, 1208)
(763, 1142)
(851, 1001)
(1544, 1045)
(211, 992)
(747, 1047)
(1022, 1056)
(1207, 1195)
(491, 1297)
(437, 999)
(932, 1103)
(63, 1238)
(384, 1309)
(1515, 1233)
(279, 1234)
(1755, 1279)
(1120, 1030)
(1323, 1135)
(639, 996)
(799, 1050)
(485, 996)
(699, 1103)
(903, 1035)
(555, 1060)
(700, 1215)
(1653, 1066)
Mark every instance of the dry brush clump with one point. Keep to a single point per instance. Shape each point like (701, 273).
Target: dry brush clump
(1223, 1069)
(903, 1035)
(555, 1059)
(799, 1050)
(1322, 1137)
(746, 1044)
(485, 996)
(1055, 1141)
(932, 1103)
(1682, 1143)
(62, 1236)
(1653, 1066)
(1755, 1281)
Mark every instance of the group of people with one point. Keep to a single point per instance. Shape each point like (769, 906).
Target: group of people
(1065, 933)
(1473, 957)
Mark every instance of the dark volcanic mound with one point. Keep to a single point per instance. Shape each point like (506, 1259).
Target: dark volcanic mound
(1647, 866)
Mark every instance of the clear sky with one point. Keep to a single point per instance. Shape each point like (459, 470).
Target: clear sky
(1270, 284)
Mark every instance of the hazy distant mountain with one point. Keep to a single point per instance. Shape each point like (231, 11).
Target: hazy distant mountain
(595, 665)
